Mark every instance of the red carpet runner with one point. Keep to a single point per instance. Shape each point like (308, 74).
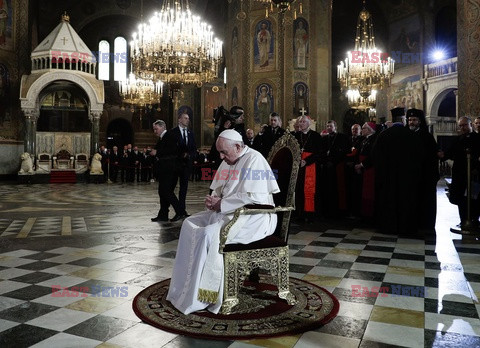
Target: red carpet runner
(63, 176)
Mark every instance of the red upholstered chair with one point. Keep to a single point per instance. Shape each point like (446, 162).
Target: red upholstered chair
(270, 253)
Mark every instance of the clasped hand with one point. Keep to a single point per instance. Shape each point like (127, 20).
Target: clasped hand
(213, 203)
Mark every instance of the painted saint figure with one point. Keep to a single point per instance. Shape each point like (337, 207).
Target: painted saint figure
(301, 41)
(264, 105)
(264, 38)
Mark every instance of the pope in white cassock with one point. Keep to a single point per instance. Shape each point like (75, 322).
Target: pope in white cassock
(244, 177)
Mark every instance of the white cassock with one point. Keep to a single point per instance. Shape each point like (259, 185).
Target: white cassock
(198, 264)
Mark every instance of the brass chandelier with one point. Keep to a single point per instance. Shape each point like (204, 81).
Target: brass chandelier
(366, 69)
(175, 47)
(140, 92)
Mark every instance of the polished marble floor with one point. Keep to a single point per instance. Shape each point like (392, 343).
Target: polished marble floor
(99, 238)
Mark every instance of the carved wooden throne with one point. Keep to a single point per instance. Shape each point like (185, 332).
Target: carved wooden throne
(270, 253)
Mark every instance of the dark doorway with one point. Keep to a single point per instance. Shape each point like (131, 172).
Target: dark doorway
(448, 106)
(119, 133)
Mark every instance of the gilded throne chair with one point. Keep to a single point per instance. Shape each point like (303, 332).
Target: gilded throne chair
(271, 253)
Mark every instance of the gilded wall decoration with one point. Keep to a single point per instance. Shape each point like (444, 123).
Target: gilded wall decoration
(300, 96)
(468, 57)
(211, 102)
(235, 47)
(264, 103)
(300, 43)
(6, 25)
(234, 97)
(4, 95)
(264, 46)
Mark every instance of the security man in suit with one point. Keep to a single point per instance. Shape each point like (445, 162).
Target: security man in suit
(166, 163)
(187, 153)
(270, 134)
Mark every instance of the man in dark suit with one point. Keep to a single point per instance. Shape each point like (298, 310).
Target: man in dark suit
(271, 134)
(137, 157)
(250, 138)
(115, 157)
(467, 141)
(166, 163)
(187, 152)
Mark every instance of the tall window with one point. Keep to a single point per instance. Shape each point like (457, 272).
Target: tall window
(103, 60)
(120, 59)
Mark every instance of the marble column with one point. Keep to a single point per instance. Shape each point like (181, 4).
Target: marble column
(94, 136)
(468, 32)
(31, 117)
(456, 102)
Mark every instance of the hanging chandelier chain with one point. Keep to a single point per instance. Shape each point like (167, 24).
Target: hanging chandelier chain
(366, 69)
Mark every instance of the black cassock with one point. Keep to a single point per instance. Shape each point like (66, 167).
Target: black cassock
(398, 155)
(428, 180)
(334, 149)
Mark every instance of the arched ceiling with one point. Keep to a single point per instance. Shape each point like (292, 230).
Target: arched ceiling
(97, 18)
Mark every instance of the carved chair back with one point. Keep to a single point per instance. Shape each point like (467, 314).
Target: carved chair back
(284, 159)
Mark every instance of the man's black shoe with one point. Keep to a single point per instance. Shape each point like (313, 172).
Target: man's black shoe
(159, 219)
(178, 217)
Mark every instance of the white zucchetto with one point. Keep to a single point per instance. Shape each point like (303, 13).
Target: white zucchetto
(231, 135)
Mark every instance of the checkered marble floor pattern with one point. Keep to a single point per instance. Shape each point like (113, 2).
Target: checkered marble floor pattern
(99, 241)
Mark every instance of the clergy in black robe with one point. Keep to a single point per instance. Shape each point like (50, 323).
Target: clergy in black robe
(333, 150)
(356, 137)
(306, 189)
(430, 174)
(365, 170)
(353, 181)
(467, 139)
(398, 155)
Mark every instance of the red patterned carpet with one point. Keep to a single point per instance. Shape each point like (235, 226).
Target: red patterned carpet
(260, 312)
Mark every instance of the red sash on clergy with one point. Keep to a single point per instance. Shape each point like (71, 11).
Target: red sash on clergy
(368, 191)
(309, 185)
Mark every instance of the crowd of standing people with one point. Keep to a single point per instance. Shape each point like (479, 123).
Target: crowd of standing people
(127, 165)
(385, 175)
